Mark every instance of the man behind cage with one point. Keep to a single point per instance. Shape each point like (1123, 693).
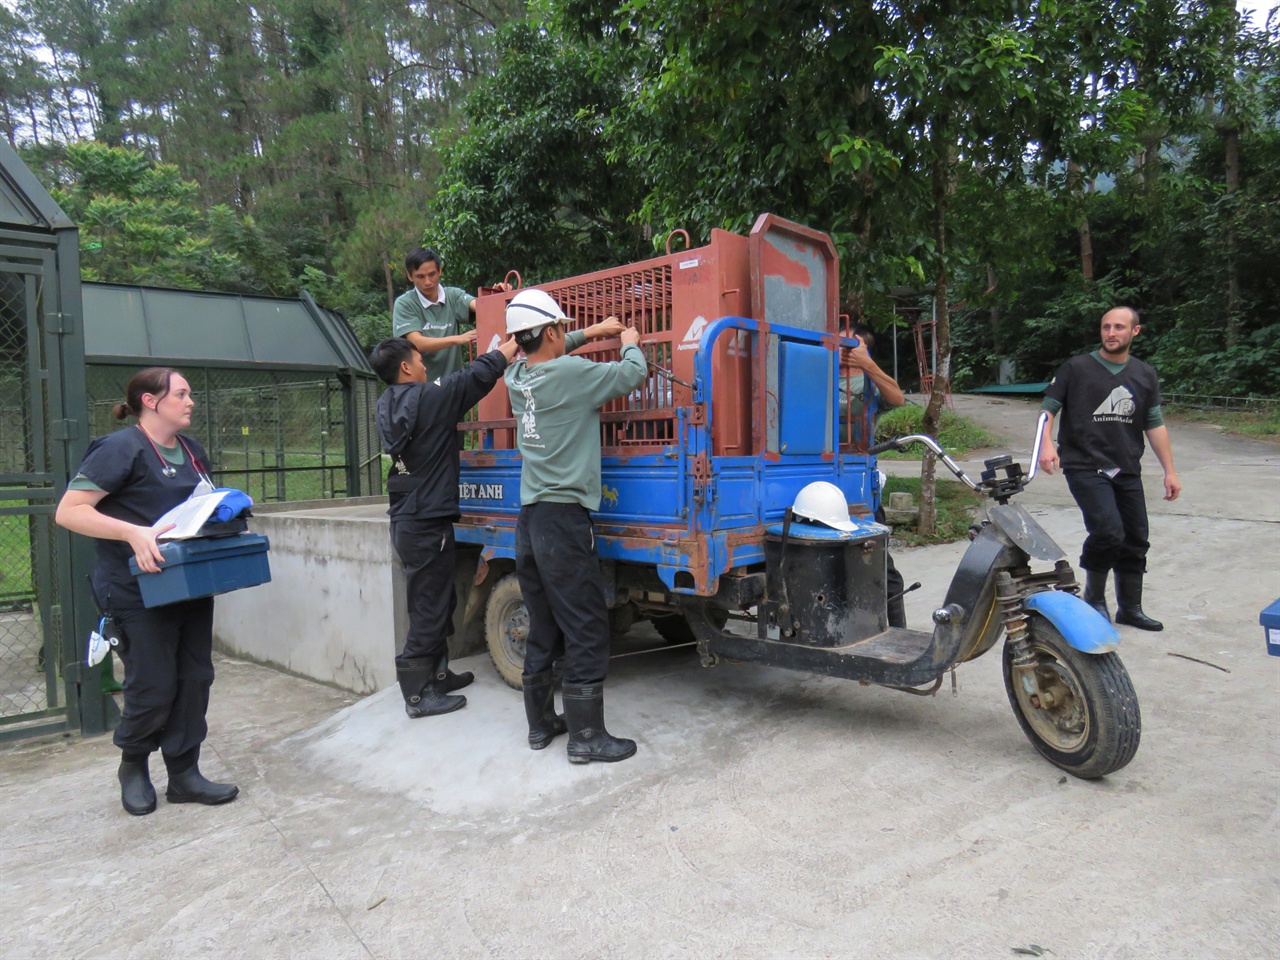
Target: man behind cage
(555, 400)
(418, 426)
(853, 389)
(431, 316)
(1106, 401)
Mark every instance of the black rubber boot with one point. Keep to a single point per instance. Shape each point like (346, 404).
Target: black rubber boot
(423, 688)
(588, 739)
(540, 710)
(190, 786)
(137, 795)
(1095, 591)
(1129, 603)
(456, 681)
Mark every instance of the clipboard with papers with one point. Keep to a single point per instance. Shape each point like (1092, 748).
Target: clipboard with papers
(190, 516)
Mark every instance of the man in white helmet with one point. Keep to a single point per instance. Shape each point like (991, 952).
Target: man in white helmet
(556, 401)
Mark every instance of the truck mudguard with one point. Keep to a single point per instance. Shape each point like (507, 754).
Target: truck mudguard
(1080, 625)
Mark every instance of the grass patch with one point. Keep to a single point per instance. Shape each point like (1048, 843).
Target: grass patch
(958, 435)
(1259, 423)
(957, 505)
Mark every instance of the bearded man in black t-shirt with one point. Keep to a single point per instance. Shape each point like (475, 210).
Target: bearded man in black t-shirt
(1106, 401)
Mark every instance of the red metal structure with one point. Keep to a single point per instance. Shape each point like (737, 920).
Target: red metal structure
(782, 271)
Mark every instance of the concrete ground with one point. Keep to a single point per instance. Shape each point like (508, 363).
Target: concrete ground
(766, 814)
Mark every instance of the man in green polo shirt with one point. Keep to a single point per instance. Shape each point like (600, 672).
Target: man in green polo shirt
(431, 316)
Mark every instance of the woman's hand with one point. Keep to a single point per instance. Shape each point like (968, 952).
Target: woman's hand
(146, 551)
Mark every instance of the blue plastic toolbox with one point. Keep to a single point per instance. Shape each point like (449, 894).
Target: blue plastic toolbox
(1270, 620)
(203, 567)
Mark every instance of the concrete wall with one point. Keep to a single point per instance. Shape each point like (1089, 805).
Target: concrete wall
(330, 610)
(334, 610)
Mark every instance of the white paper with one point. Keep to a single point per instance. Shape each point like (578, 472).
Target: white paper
(190, 516)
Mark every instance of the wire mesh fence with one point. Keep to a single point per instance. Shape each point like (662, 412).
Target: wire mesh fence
(1206, 401)
(277, 435)
(28, 615)
(28, 567)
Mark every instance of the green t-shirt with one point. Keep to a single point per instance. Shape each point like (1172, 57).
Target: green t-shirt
(443, 319)
(557, 409)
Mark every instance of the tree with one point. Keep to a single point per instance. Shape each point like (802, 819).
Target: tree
(962, 81)
(535, 183)
(26, 90)
(139, 224)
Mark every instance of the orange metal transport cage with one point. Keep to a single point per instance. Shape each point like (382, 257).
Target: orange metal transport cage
(670, 300)
(782, 273)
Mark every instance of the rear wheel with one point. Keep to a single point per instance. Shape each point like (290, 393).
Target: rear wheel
(1078, 709)
(506, 629)
(674, 628)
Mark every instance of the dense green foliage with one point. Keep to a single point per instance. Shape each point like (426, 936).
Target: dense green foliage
(958, 508)
(958, 435)
(319, 122)
(1026, 162)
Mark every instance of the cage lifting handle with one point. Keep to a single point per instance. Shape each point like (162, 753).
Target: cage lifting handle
(513, 273)
(671, 236)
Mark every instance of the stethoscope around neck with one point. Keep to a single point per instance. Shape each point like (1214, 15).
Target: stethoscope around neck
(168, 469)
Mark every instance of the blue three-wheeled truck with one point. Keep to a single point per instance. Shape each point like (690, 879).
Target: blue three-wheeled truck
(745, 405)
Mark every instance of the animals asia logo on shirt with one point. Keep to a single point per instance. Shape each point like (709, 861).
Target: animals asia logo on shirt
(1118, 406)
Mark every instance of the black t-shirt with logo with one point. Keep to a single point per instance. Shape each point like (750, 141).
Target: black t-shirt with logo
(131, 471)
(1104, 414)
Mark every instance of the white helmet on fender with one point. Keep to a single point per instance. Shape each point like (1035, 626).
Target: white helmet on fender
(531, 309)
(823, 502)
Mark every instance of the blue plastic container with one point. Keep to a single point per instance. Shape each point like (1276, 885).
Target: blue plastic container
(205, 567)
(1270, 620)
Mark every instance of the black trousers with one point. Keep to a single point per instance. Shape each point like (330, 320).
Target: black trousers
(168, 669)
(426, 548)
(1115, 516)
(893, 582)
(563, 591)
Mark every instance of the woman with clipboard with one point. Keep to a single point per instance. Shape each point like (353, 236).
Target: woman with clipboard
(126, 482)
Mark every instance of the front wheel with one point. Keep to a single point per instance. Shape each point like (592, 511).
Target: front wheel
(1078, 709)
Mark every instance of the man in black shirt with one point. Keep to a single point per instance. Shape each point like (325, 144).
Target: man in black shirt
(1106, 401)
(418, 426)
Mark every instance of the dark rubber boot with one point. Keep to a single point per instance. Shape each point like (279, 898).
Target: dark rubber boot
(1095, 591)
(1129, 603)
(423, 688)
(456, 681)
(588, 739)
(137, 795)
(540, 710)
(190, 786)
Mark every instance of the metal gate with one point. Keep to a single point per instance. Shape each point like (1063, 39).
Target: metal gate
(41, 431)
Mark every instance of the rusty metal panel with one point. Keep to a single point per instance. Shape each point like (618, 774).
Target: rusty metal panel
(670, 300)
(795, 275)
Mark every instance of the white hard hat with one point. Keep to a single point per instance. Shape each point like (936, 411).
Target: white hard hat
(823, 502)
(531, 309)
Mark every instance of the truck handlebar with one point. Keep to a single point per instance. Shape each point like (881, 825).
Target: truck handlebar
(1000, 489)
(899, 442)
